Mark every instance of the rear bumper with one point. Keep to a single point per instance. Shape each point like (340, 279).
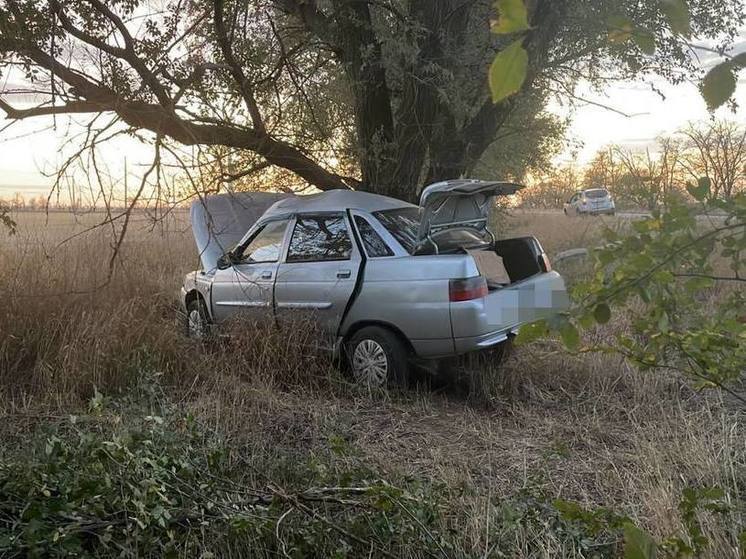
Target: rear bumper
(598, 211)
(488, 321)
(485, 341)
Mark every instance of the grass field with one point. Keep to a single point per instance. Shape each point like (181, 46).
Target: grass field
(588, 428)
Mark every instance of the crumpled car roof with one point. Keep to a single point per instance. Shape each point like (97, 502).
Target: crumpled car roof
(335, 200)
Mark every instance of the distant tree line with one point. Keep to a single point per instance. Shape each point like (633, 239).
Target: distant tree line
(653, 177)
(19, 202)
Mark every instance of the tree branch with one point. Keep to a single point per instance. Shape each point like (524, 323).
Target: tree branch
(128, 53)
(164, 121)
(68, 108)
(707, 276)
(236, 71)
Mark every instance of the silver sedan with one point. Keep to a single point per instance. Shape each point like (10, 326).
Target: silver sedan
(384, 280)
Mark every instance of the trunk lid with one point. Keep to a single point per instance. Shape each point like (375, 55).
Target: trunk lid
(220, 221)
(461, 204)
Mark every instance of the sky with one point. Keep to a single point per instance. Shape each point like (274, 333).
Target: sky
(648, 115)
(31, 148)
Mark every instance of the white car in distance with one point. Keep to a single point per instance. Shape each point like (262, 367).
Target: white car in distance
(592, 201)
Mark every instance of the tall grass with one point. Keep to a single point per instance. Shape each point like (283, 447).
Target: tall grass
(584, 427)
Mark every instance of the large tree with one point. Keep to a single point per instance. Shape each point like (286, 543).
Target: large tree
(383, 95)
(717, 150)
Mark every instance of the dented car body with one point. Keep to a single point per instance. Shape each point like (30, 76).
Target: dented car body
(383, 279)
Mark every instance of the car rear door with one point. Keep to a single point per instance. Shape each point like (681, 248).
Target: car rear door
(320, 270)
(245, 288)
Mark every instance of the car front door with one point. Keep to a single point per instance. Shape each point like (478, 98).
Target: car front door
(246, 287)
(318, 276)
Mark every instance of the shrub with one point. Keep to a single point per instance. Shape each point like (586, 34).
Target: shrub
(135, 476)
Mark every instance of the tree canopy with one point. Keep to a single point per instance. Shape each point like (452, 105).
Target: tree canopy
(382, 95)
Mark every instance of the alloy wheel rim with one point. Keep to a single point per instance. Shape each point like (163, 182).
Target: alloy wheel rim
(196, 326)
(369, 363)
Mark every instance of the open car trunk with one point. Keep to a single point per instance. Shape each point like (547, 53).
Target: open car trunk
(455, 214)
(509, 261)
(458, 205)
(522, 258)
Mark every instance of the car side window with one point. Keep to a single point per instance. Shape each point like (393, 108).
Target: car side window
(375, 246)
(318, 238)
(267, 244)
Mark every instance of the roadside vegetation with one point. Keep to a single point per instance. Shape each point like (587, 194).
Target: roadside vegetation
(616, 429)
(121, 437)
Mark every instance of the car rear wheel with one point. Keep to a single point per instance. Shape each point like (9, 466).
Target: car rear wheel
(197, 322)
(378, 358)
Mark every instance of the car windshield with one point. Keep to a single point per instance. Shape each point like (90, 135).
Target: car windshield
(404, 224)
(597, 193)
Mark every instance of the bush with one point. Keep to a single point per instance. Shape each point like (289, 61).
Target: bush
(138, 477)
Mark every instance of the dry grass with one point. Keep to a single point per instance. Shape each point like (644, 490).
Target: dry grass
(588, 428)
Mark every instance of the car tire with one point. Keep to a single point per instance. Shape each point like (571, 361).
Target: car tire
(197, 320)
(377, 358)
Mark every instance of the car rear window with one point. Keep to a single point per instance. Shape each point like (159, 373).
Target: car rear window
(319, 238)
(404, 224)
(597, 193)
(375, 246)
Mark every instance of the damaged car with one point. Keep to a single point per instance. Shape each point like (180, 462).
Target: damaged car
(387, 282)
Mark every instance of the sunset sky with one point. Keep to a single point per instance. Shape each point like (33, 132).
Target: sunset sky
(29, 148)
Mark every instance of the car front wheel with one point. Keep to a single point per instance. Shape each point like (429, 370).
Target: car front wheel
(378, 358)
(197, 322)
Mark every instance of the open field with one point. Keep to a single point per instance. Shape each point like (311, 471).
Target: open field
(588, 428)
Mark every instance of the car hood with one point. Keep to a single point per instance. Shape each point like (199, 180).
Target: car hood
(459, 203)
(219, 222)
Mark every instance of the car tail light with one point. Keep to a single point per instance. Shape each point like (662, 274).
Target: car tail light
(544, 262)
(467, 289)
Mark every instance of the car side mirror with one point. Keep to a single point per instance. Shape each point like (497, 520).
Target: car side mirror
(225, 261)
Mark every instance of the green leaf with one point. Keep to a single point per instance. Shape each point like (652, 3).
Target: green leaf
(645, 41)
(643, 293)
(638, 544)
(508, 71)
(702, 190)
(513, 17)
(663, 323)
(677, 14)
(530, 332)
(663, 277)
(570, 335)
(602, 313)
(620, 29)
(586, 320)
(718, 85)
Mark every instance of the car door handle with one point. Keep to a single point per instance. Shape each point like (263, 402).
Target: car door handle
(343, 274)
(266, 274)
